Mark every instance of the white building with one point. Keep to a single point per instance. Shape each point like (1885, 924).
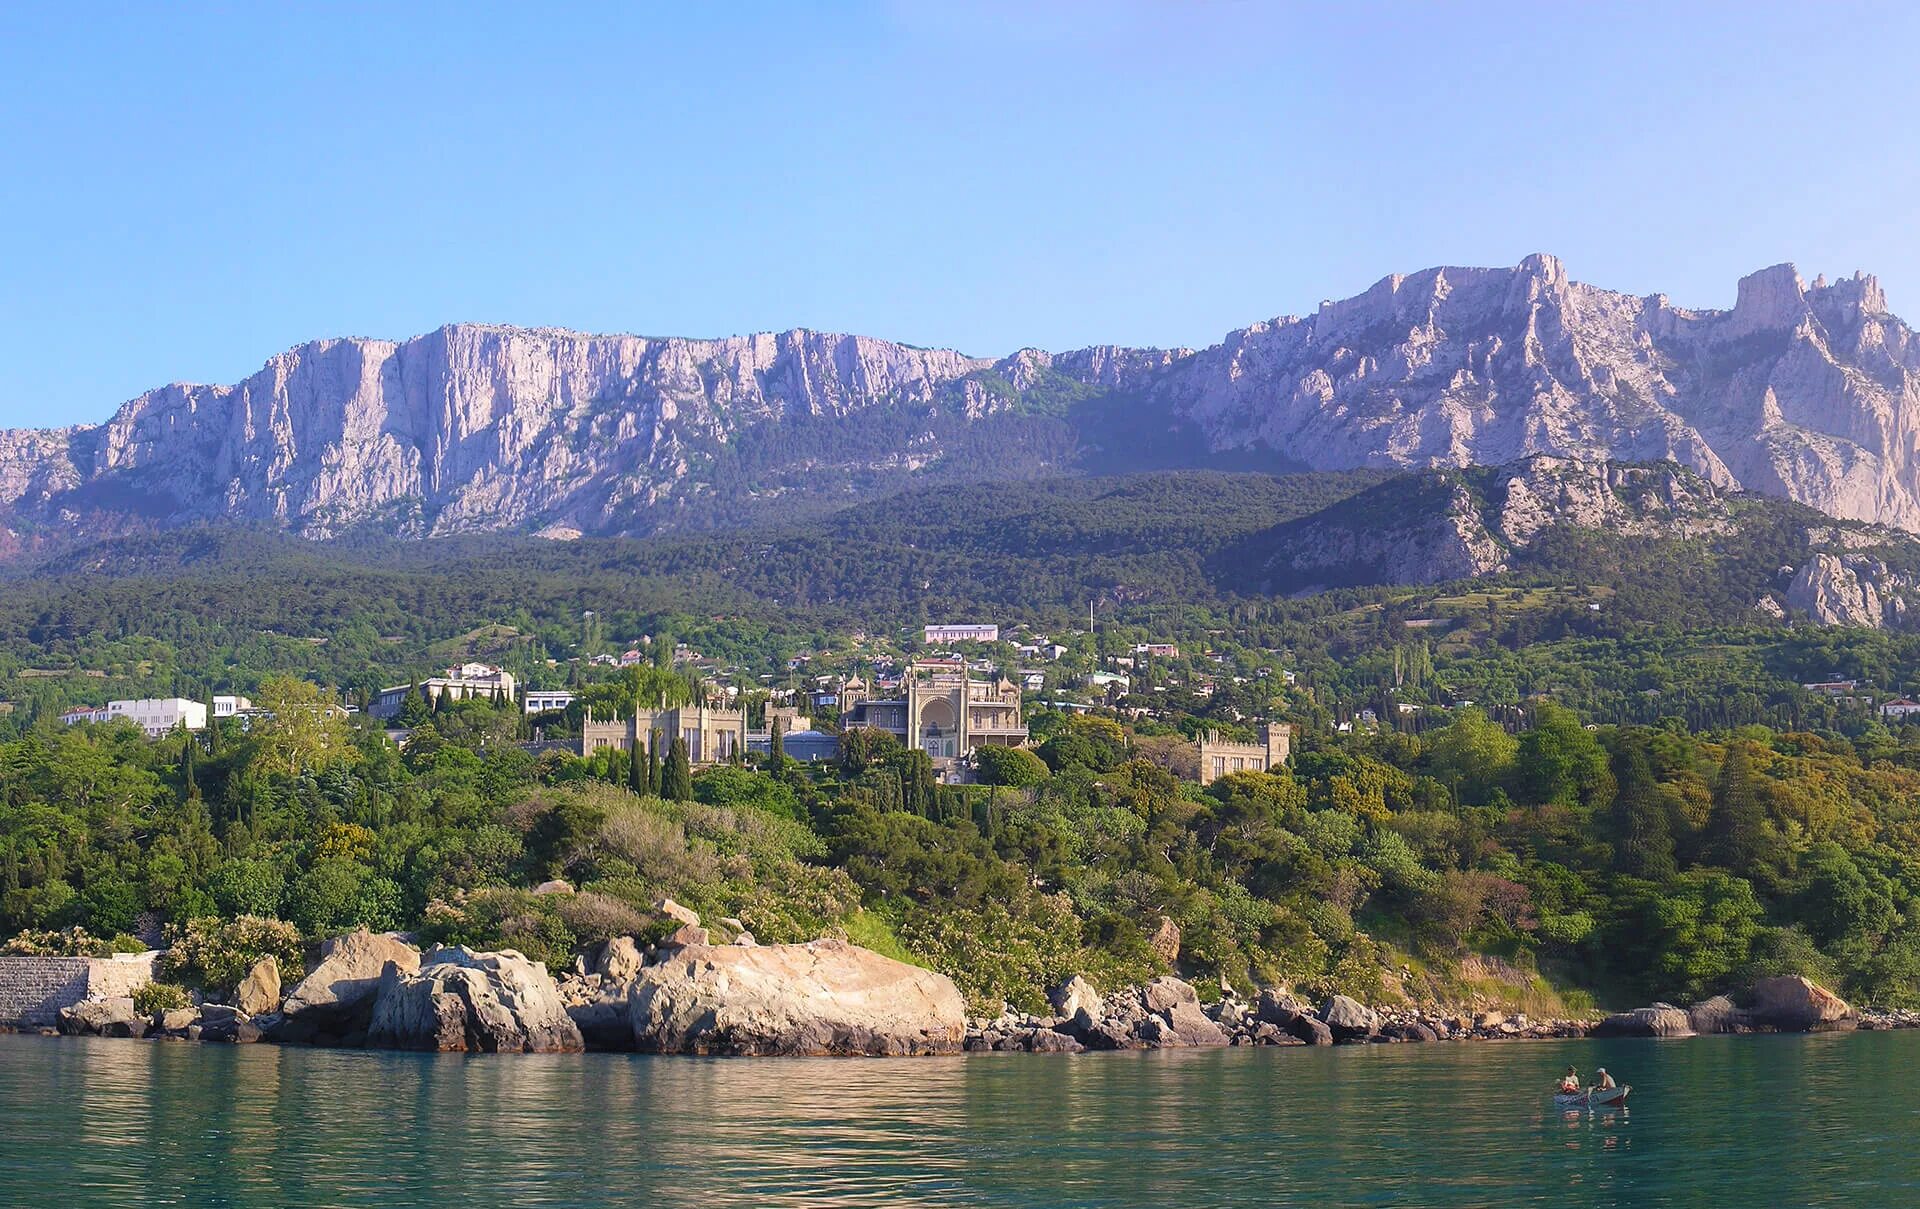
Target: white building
(227, 706)
(1900, 708)
(158, 715)
(940, 634)
(541, 700)
(468, 680)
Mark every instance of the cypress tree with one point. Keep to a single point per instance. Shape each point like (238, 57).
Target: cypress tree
(637, 768)
(1736, 839)
(187, 783)
(676, 778)
(777, 749)
(653, 762)
(1643, 835)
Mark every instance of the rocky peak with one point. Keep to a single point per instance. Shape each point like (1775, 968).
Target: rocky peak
(1770, 299)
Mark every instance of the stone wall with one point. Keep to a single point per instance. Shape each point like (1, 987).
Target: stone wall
(34, 989)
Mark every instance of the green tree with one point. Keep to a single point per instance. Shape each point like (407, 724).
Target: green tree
(1560, 763)
(776, 748)
(1472, 756)
(1736, 822)
(188, 786)
(637, 768)
(1010, 766)
(676, 778)
(302, 729)
(1642, 829)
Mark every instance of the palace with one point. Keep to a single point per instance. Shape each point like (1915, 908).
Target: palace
(1223, 757)
(941, 710)
(713, 735)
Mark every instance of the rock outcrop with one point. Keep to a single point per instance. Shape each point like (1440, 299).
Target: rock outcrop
(1806, 391)
(334, 1003)
(259, 991)
(1660, 1020)
(1348, 1019)
(1798, 1005)
(826, 997)
(460, 1000)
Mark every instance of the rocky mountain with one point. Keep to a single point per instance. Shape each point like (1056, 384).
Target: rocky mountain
(1807, 392)
(1447, 525)
(1564, 521)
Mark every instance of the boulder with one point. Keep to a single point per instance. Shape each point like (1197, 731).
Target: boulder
(480, 1002)
(259, 991)
(826, 997)
(673, 910)
(1048, 1041)
(1798, 1005)
(232, 1030)
(176, 1020)
(1164, 994)
(110, 1017)
(337, 998)
(1275, 1006)
(1349, 1019)
(685, 935)
(556, 886)
(1309, 1030)
(1076, 1001)
(602, 1019)
(1190, 1026)
(1408, 1030)
(1716, 1015)
(621, 960)
(1660, 1020)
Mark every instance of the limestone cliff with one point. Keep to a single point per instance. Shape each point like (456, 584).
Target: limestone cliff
(1807, 392)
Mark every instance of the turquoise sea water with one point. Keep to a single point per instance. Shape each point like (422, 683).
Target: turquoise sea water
(1767, 1121)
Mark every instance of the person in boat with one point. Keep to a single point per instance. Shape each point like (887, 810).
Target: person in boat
(1570, 1082)
(1603, 1081)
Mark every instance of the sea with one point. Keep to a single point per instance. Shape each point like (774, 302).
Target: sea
(1760, 1120)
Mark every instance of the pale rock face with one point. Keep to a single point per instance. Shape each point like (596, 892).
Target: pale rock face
(1445, 533)
(827, 997)
(460, 1000)
(1849, 589)
(1809, 392)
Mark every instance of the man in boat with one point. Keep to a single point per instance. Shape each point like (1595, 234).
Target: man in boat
(1570, 1082)
(1603, 1080)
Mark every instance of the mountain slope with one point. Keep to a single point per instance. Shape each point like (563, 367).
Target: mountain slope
(1810, 393)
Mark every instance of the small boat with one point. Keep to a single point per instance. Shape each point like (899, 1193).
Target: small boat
(1593, 1097)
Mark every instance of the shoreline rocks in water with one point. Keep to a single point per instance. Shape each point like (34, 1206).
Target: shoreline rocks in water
(1167, 1014)
(461, 1001)
(828, 997)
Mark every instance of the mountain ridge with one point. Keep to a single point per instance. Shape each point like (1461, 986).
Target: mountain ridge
(1810, 392)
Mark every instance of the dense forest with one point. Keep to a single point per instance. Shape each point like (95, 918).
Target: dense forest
(1599, 767)
(1624, 862)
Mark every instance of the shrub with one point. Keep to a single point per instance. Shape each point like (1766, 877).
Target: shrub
(68, 942)
(217, 954)
(499, 918)
(157, 997)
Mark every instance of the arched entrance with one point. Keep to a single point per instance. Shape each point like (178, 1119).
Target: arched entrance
(938, 729)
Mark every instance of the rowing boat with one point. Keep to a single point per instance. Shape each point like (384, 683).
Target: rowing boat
(1593, 1097)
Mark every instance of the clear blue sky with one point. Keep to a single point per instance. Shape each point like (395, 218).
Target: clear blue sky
(191, 189)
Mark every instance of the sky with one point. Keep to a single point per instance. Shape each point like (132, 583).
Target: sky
(189, 189)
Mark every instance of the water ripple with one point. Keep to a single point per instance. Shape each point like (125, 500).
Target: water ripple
(1805, 1121)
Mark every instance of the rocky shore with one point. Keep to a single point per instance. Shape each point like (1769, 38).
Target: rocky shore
(688, 995)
